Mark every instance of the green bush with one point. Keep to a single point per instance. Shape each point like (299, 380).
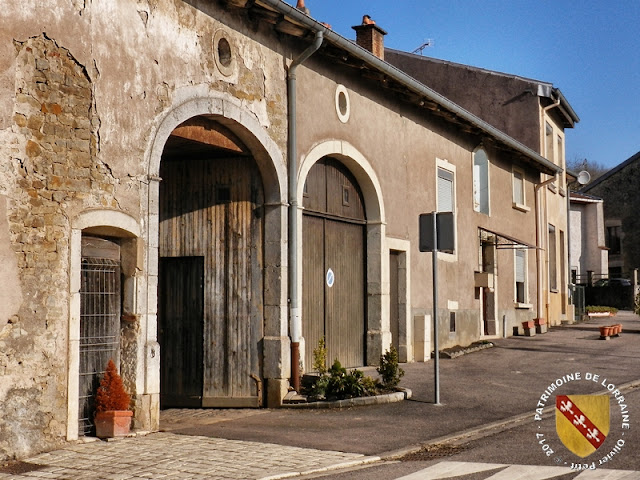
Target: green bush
(338, 384)
(389, 369)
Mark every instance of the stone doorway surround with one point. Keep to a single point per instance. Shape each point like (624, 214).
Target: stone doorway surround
(225, 109)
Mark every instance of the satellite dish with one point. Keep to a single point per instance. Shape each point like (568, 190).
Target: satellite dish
(584, 177)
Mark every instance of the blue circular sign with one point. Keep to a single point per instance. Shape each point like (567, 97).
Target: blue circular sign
(330, 278)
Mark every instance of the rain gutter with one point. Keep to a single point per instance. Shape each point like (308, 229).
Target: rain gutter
(410, 82)
(295, 317)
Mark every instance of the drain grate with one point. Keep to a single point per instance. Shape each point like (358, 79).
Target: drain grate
(438, 450)
(16, 468)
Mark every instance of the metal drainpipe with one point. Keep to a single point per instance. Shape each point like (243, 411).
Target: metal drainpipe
(539, 232)
(295, 317)
(540, 226)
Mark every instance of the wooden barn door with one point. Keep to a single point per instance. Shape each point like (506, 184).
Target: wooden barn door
(181, 321)
(334, 264)
(212, 208)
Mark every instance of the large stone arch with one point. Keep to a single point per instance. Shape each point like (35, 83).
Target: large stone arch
(223, 108)
(111, 223)
(378, 333)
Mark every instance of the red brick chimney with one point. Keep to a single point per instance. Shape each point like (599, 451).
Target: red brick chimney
(370, 36)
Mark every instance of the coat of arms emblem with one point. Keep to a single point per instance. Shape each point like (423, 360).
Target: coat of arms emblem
(582, 422)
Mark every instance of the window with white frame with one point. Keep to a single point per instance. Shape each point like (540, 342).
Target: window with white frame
(518, 188)
(521, 275)
(548, 135)
(481, 181)
(446, 192)
(549, 150)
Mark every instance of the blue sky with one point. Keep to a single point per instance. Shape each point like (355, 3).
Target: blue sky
(589, 49)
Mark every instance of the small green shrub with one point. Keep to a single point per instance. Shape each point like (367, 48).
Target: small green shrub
(636, 308)
(337, 384)
(320, 357)
(389, 369)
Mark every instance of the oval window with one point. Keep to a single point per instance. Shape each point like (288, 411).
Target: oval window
(343, 105)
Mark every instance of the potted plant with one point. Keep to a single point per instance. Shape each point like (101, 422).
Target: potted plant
(113, 416)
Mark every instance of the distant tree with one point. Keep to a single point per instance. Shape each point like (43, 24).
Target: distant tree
(594, 168)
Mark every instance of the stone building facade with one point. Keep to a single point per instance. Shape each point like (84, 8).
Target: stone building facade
(155, 147)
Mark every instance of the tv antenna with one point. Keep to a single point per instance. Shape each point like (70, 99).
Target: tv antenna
(427, 43)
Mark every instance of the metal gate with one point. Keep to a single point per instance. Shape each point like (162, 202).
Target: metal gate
(578, 297)
(334, 254)
(100, 308)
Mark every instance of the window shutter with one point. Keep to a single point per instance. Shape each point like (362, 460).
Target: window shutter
(518, 196)
(445, 191)
(520, 266)
(481, 182)
(476, 187)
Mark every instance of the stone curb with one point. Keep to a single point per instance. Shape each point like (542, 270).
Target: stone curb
(337, 466)
(403, 394)
(452, 353)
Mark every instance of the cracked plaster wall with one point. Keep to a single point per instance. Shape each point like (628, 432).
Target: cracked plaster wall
(83, 85)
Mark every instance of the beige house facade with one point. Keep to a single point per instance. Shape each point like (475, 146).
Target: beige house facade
(203, 190)
(535, 113)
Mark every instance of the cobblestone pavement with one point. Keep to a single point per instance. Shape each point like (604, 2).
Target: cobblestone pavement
(170, 456)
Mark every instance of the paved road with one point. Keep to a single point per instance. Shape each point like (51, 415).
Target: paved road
(490, 396)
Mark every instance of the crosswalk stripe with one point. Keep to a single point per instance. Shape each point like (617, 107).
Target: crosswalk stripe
(602, 474)
(444, 470)
(530, 472)
(451, 469)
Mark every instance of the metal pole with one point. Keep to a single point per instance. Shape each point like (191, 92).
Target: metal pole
(436, 350)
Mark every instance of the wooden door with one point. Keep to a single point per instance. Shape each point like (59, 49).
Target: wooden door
(313, 285)
(344, 300)
(394, 298)
(334, 253)
(181, 319)
(212, 208)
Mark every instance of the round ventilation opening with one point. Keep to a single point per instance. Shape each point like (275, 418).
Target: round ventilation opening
(223, 52)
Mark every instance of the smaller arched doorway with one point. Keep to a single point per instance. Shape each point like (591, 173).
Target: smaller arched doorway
(334, 264)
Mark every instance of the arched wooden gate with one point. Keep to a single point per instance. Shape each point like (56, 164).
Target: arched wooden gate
(334, 256)
(210, 295)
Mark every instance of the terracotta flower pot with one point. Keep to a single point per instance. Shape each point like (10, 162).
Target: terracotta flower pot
(528, 324)
(113, 423)
(605, 331)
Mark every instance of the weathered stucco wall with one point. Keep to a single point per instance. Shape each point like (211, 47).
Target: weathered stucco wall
(89, 93)
(83, 88)
(505, 101)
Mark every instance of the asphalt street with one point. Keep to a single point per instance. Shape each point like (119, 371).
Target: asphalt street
(484, 429)
(484, 387)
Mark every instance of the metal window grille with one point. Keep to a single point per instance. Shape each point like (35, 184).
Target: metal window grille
(99, 330)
